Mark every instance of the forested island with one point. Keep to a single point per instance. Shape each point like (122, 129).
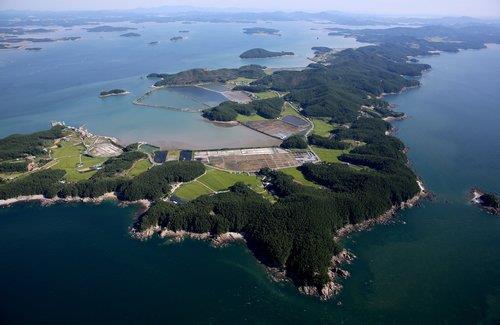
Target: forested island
(130, 35)
(259, 53)
(112, 92)
(261, 31)
(195, 76)
(291, 226)
(488, 201)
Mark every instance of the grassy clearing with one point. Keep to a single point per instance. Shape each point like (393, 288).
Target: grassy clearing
(298, 176)
(266, 95)
(67, 157)
(138, 168)
(191, 190)
(219, 180)
(244, 118)
(10, 176)
(216, 180)
(322, 127)
(241, 81)
(289, 110)
(329, 155)
(173, 155)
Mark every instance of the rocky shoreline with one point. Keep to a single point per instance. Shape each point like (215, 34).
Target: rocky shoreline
(335, 273)
(478, 197)
(179, 235)
(111, 196)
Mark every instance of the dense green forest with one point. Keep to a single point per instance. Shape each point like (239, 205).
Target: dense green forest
(296, 141)
(119, 164)
(258, 53)
(11, 167)
(325, 142)
(195, 76)
(20, 145)
(228, 111)
(150, 185)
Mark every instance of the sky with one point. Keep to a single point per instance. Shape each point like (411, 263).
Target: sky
(475, 8)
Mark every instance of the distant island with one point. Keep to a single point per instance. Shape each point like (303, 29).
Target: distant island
(196, 76)
(176, 38)
(153, 43)
(261, 31)
(113, 92)
(259, 53)
(488, 201)
(107, 29)
(183, 31)
(9, 41)
(130, 35)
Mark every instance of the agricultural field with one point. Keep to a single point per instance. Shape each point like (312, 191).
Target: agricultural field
(241, 81)
(288, 109)
(244, 118)
(298, 176)
(322, 127)
(266, 94)
(138, 168)
(328, 155)
(68, 155)
(215, 180)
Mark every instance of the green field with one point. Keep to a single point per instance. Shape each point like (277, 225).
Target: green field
(139, 167)
(298, 176)
(244, 118)
(67, 156)
(289, 110)
(191, 190)
(322, 128)
(216, 180)
(10, 176)
(266, 94)
(328, 155)
(241, 81)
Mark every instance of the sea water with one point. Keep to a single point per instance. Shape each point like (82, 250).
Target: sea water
(63, 80)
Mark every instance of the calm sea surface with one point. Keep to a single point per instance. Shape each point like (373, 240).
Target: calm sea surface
(63, 80)
(438, 263)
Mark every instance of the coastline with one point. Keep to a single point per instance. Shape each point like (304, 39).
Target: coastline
(110, 196)
(335, 272)
(474, 197)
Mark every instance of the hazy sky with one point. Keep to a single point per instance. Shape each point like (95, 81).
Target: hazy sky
(485, 8)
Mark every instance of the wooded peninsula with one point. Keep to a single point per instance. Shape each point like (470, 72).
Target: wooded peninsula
(291, 228)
